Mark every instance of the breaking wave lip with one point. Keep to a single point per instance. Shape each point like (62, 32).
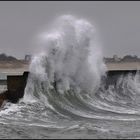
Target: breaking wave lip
(65, 81)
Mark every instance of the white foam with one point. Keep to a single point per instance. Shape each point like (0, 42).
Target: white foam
(71, 56)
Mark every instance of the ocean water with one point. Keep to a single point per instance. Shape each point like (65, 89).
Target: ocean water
(66, 94)
(109, 115)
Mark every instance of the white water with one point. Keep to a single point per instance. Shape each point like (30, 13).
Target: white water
(70, 56)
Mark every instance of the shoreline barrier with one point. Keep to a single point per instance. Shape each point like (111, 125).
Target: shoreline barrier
(17, 83)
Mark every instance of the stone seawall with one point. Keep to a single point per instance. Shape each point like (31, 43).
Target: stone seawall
(17, 83)
(15, 88)
(113, 75)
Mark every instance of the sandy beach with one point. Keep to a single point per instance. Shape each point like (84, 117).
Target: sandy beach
(123, 66)
(14, 68)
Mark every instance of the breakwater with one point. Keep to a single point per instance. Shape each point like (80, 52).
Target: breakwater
(17, 83)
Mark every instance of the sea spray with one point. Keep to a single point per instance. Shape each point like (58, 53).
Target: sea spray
(71, 59)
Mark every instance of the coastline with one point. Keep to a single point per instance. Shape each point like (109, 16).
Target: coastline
(20, 67)
(14, 67)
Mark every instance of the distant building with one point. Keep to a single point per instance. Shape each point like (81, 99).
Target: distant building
(129, 58)
(28, 58)
(116, 58)
(106, 60)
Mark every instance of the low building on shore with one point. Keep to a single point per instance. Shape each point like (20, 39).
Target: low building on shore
(28, 58)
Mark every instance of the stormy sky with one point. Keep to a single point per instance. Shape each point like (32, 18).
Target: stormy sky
(118, 24)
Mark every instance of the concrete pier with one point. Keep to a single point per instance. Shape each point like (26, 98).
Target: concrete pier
(15, 88)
